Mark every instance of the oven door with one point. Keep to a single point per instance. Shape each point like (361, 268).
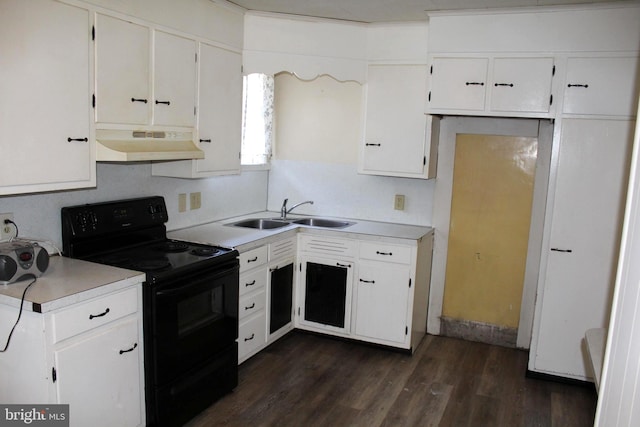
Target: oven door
(193, 318)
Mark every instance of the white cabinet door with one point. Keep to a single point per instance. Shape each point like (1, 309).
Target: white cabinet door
(324, 295)
(174, 80)
(45, 97)
(458, 83)
(585, 236)
(97, 376)
(122, 72)
(606, 86)
(220, 110)
(394, 142)
(521, 84)
(382, 301)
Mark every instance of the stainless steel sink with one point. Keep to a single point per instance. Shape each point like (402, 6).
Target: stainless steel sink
(261, 223)
(323, 222)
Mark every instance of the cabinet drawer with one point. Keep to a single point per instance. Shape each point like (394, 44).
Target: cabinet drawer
(250, 304)
(328, 246)
(253, 258)
(252, 281)
(94, 313)
(282, 249)
(251, 336)
(385, 252)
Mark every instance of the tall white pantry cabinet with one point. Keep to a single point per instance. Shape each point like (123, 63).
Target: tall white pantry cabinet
(585, 77)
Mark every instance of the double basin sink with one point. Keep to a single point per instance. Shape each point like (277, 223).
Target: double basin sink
(271, 223)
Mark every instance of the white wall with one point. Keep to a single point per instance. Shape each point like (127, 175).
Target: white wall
(38, 215)
(318, 132)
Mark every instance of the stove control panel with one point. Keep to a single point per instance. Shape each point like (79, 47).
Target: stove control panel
(113, 220)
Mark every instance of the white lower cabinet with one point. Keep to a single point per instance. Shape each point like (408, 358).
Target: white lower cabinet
(372, 291)
(83, 382)
(382, 299)
(88, 355)
(267, 293)
(251, 307)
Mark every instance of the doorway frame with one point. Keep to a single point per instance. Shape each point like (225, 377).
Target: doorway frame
(450, 127)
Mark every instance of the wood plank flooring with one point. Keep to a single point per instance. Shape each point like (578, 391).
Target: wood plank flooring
(308, 380)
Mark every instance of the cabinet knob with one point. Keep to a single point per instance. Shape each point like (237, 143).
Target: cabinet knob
(367, 281)
(577, 85)
(372, 145)
(503, 84)
(474, 83)
(139, 100)
(562, 250)
(77, 139)
(250, 338)
(163, 102)
(205, 140)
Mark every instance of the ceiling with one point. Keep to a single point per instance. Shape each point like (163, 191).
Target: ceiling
(387, 10)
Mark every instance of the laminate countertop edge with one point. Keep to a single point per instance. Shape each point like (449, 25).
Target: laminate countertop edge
(68, 281)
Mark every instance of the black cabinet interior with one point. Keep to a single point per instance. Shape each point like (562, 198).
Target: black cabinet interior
(281, 297)
(325, 294)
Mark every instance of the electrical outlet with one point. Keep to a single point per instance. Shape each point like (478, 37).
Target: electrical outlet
(398, 203)
(195, 200)
(182, 202)
(6, 230)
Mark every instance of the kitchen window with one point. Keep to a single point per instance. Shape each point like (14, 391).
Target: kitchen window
(257, 119)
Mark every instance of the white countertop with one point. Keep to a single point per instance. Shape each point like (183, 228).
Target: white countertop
(68, 281)
(222, 234)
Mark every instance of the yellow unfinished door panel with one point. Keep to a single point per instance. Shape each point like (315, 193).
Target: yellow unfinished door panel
(489, 228)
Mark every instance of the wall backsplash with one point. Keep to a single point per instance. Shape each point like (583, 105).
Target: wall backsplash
(338, 190)
(38, 215)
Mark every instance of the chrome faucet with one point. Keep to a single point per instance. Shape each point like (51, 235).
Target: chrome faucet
(284, 211)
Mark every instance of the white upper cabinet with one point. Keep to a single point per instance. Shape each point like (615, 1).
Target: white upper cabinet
(122, 71)
(500, 86)
(45, 73)
(220, 110)
(219, 117)
(124, 94)
(522, 84)
(601, 86)
(174, 83)
(458, 84)
(397, 136)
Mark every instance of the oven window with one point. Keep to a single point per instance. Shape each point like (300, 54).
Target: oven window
(200, 310)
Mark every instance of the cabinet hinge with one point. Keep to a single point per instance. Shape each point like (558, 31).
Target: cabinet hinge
(54, 374)
(551, 100)
(429, 98)
(553, 71)
(93, 33)
(409, 282)
(93, 101)
(406, 330)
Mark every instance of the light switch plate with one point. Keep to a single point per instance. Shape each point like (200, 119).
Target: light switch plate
(398, 203)
(182, 202)
(195, 200)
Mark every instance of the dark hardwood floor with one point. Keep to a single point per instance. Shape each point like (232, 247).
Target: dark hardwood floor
(308, 380)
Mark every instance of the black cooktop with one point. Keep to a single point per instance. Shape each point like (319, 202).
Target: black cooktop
(131, 234)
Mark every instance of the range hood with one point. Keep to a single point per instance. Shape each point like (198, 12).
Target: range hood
(143, 145)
